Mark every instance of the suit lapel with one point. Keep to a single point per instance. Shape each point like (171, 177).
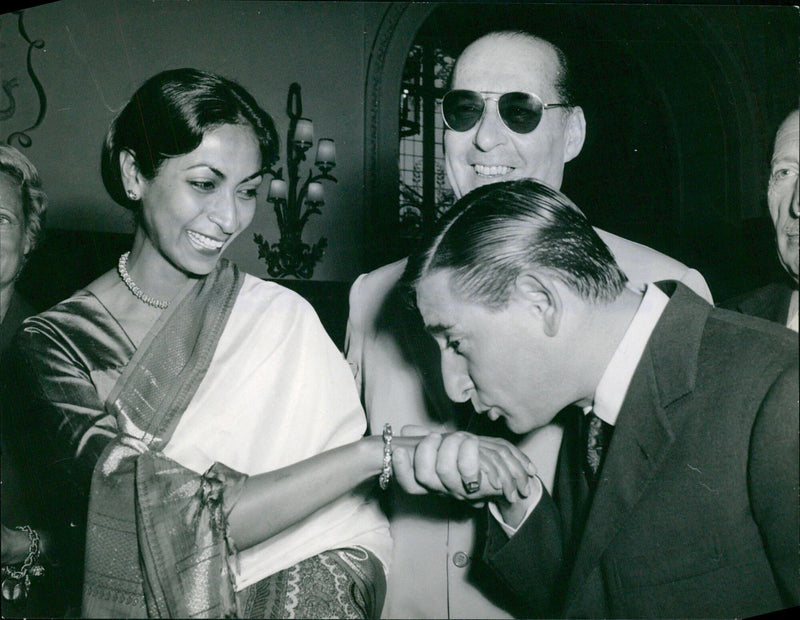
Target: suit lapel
(646, 428)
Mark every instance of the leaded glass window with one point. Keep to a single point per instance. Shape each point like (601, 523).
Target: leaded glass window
(424, 191)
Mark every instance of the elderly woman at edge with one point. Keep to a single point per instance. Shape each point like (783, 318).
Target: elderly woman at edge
(23, 206)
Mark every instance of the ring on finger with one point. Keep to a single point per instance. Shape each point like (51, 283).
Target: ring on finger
(472, 486)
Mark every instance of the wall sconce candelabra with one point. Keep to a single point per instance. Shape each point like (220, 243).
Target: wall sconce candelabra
(294, 202)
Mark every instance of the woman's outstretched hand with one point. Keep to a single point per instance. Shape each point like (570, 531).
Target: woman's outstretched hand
(463, 465)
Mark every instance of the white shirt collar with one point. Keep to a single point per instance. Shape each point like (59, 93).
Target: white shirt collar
(616, 379)
(792, 323)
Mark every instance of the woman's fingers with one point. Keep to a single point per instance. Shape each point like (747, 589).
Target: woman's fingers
(463, 465)
(512, 460)
(470, 468)
(512, 452)
(509, 479)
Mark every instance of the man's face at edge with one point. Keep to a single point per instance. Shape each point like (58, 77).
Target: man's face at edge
(782, 194)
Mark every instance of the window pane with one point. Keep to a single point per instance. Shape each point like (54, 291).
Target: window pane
(421, 132)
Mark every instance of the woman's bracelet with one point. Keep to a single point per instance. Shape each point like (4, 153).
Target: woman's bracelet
(386, 472)
(17, 582)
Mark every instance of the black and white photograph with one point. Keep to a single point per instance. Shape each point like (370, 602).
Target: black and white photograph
(361, 309)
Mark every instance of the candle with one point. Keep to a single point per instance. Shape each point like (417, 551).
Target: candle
(315, 192)
(326, 152)
(277, 190)
(304, 131)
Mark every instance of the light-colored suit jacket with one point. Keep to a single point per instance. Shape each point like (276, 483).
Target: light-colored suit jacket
(433, 572)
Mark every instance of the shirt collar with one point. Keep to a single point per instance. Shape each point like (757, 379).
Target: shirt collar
(616, 379)
(792, 323)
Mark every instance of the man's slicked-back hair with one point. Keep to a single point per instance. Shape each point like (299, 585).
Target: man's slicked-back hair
(498, 231)
(169, 115)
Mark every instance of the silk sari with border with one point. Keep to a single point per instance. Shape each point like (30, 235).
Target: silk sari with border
(157, 542)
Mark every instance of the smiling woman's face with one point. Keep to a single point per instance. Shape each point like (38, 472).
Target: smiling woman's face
(198, 203)
(13, 241)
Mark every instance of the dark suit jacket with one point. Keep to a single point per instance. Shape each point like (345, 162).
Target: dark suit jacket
(769, 302)
(696, 511)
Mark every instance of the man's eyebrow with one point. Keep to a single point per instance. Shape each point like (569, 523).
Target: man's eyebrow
(784, 159)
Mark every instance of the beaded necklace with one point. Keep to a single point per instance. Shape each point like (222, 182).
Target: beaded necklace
(122, 269)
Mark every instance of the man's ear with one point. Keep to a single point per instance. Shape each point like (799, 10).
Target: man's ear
(543, 299)
(131, 177)
(574, 133)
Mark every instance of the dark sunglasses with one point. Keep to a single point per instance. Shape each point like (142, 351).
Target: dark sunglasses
(520, 112)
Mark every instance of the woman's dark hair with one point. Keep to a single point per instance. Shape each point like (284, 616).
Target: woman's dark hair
(169, 115)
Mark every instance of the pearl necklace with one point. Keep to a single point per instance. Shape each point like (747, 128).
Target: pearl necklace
(122, 268)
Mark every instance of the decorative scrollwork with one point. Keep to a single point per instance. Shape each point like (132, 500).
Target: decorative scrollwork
(22, 137)
(8, 88)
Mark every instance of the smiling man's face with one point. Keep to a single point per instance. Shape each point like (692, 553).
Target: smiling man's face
(490, 152)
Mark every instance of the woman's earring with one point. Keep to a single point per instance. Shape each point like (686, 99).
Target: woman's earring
(132, 195)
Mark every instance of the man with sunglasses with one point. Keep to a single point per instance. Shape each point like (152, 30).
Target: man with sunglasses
(509, 115)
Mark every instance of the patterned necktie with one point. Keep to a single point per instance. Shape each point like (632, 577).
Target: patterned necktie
(596, 436)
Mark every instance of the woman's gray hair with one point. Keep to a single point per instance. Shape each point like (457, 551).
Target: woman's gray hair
(34, 200)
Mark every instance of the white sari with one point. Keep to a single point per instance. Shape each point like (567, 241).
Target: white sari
(278, 391)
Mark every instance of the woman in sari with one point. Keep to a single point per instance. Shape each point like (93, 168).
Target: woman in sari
(205, 415)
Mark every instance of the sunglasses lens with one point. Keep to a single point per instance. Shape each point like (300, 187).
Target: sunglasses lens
(461, 109)
(521, 112)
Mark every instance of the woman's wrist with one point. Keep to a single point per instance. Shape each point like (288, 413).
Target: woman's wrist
(17, 575)
(45, 545)
(374, 455)
(15, 546)
(375, 449)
